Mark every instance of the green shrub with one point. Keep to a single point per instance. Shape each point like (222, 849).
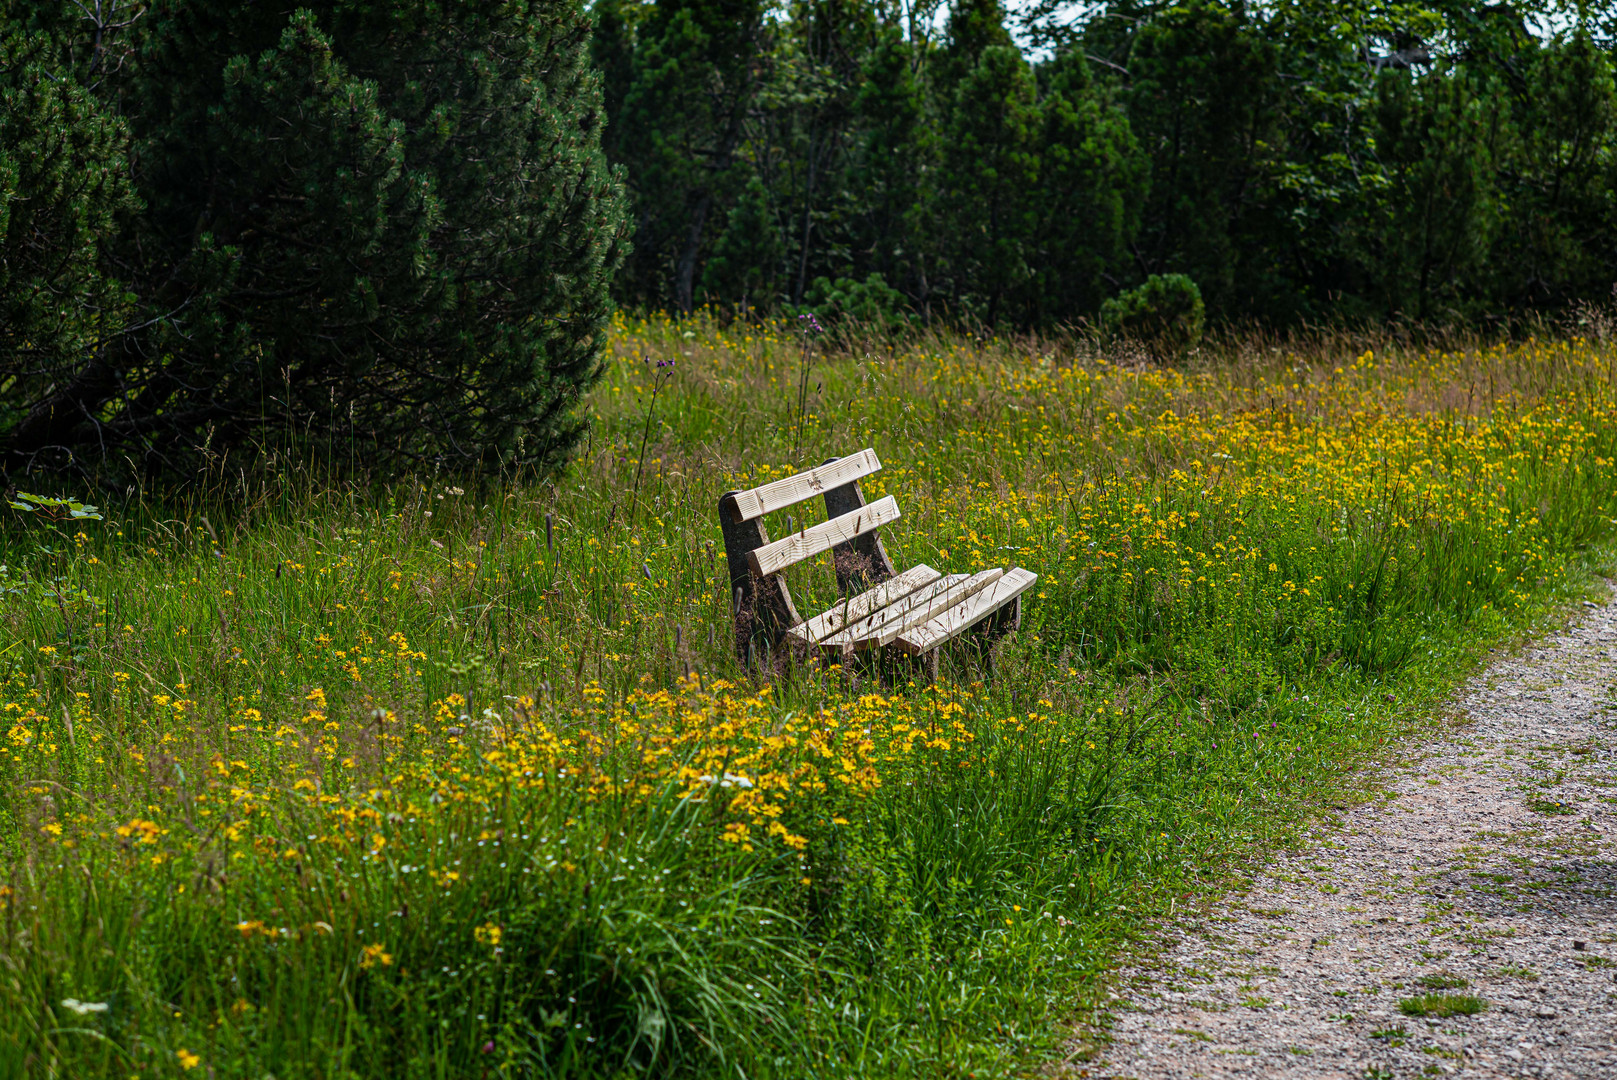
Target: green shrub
(1165, 315)
(871, 301)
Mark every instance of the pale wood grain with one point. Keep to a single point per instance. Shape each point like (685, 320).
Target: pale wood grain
(920, 600)
(794, 489)
(775, 557)
(922, 614)
(865, 604)
(958, 619)
(920, 606)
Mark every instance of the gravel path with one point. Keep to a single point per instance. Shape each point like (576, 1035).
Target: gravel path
(1485, 869)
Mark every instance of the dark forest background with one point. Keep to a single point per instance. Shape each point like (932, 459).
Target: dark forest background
(1299, 160)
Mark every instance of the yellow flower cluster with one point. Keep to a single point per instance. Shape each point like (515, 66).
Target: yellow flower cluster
(731, 757)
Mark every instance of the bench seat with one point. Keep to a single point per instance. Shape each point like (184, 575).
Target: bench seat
(913, 613)
(957, 620)
(879, 628)
(867, 603)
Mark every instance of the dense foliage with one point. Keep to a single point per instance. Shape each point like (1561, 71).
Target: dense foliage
(386, 228)
(1298, 160)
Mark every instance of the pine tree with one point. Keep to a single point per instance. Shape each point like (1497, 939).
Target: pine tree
(746, 267)
(1556, 241)
(894, 152)
(63, 190)
(390, 226)
(990, 178)
(974, 25)
(1199, 102)
(690, 71)
(1425, 231)
(1093, 181)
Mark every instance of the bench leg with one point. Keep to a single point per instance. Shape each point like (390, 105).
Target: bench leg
(762, 609)
(996, 628)
(987, 634)
(850, 670)
(1007, 620)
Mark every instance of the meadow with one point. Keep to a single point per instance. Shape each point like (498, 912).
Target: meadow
(439, 777)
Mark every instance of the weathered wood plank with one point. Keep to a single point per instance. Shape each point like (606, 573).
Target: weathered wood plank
(919, 600)
(958, 619)
(865, 604)
(794, 489)
(932, 609)
(918, 607)
(862, 561)
(762, 608)
(773, 558)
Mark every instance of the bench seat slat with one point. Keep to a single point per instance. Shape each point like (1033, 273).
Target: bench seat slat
(775, 557)
(955, 621)
(918, 607)
(866, 603)
(856, 629)
(951, 598)
(794, 489)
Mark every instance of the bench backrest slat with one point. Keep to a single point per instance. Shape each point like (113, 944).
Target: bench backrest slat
(775, 557)
(805, 485)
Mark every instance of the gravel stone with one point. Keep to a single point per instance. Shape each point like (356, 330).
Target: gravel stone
(1485, 866)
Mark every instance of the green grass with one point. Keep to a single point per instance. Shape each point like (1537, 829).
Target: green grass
(1441, 1006)
(1514, 971)
(310, 778)
(1442, 981)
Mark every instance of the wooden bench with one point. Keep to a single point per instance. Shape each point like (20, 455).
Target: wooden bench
(912, 613)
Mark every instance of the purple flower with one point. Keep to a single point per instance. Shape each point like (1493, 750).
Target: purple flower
(488, 1047)
(809, 324)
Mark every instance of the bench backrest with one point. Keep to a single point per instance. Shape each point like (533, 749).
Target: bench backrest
(759, 599)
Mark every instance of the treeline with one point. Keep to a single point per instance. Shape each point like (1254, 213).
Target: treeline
(1298, 160)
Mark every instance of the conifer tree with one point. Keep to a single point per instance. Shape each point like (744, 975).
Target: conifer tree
(1555, 242)
(63, 190)
(990, 160)
(746, 266)
(893, 156)
(1429, 225)
(1198, 99)
(1093, 182)
(992, 165)
(385, 225)
(688, 78)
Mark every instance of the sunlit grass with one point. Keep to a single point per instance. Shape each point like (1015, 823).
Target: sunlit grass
(451, 776)
(1442, 1006)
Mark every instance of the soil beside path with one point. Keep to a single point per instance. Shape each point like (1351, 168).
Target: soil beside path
(1488, 867)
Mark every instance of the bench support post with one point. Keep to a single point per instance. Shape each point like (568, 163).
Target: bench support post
(762, 608)
(861, 562)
